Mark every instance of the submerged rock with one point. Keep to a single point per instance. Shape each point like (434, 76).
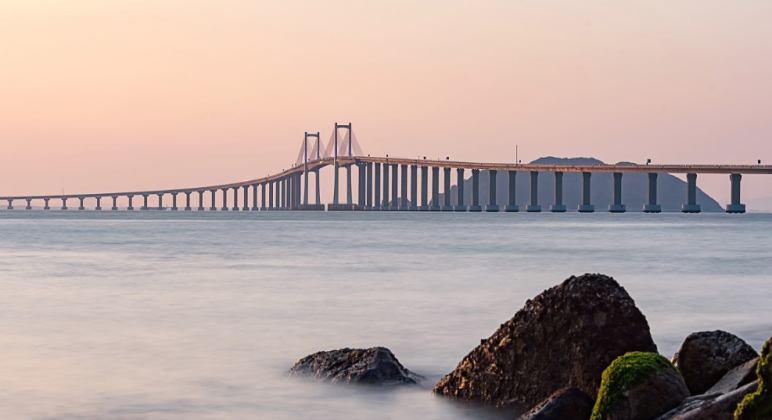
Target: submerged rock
(705, 357)
(565, 404)
(563, 338)
(639, 386)
(373, 366)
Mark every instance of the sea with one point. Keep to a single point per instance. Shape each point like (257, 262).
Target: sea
(198, 315)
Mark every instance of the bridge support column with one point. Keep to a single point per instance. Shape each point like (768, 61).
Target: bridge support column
(318, 189)
(64, 203)
(254, 197)
(335, 186)
(81, 203)
(29, 203)
(534, 207)
(214, 205)
(446, 191)
(394, 188)
(492, 204)
(403, 203)
(224, 199)
(263, 203)
(174, 201)
(385, 205)
(586, 206)
(377, 187)
(305, 184)
(282, 202)
(349, 198)
(558, 207)
(98, 200)
(160, 201)
(362, 195)
(200, 200)
(691, 205)
(115, 203)
(735, 207)
(512, 205)
(459, 190)
(369, 181)
(271, 195)
(652, 207)
(187, 200)
(475, 207)
(130, 207)
(10, 204)
(435, 204)
(236, 199)
(424, 189)
(413, 188)
(246, 198)
(46, 205)
(617, 207)
(144, 206)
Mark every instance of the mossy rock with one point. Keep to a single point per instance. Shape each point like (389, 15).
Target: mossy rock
(639, 386)
(758, 406)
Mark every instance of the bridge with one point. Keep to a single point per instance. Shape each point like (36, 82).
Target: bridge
(383, 184)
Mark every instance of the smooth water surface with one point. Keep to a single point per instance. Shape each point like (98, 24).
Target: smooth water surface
(197, 315)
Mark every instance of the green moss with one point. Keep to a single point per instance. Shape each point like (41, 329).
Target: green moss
(622, 374)
(758, 406)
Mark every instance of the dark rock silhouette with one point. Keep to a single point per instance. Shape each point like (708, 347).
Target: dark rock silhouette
(705, 357)
(565, 404)
(563, 338)
(374, 366)
(710, 407)
(671, 191)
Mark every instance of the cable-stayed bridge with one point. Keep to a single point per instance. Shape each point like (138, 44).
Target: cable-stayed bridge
(395, 184)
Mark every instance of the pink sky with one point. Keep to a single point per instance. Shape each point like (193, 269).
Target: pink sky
(127, 95)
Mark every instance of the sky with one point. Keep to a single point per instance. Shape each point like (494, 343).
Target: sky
(149, 94)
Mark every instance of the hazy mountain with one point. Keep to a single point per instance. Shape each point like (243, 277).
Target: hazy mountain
(671, 191)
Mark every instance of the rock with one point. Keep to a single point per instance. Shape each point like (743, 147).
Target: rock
(710, 407)
(563, 338)
(736, 378)
(373, 366)
(758, 406)
(639, 386)
(565, 404)
(705, 357)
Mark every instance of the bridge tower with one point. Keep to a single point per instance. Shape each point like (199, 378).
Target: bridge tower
(337, 165)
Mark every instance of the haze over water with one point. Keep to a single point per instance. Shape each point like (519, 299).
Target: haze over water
(151, 315)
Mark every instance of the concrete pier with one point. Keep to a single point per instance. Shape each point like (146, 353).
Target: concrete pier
(98, 203)
(413, 188)
(361, 198)
(369, 192)
(10, 204)
(424, 189)
(144, 205)
(29, 203)
(492, 205)
(735, 207)
(394, 188)
(130, 207)
(174, 200)
(246, 198)
(691, 205)
(81, 203)
(534, 207)
(586, 206)
(254, 198)
(236, 199)
(512, 196)
(460, 191)
(377, 187)
(475, 207)
(385, 204)
(214, 205)
(200, 200)
(617, 207)
(270, 195)
(403, 203)
(337, 167)
(187, 200)
(224, 199)
(114, 207)
(435, 203)
(446, 192)
(349, 198)
(160, 201)
(558, 207)
(46, 205)
(652, 206)
(263, 203)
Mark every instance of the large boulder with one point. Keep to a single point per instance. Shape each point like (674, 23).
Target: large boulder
(563, 338)
(373, 366)
(639, 386)
(565, 404)
(758, 406)
(711, 406)
(705, 357)
(735, 378)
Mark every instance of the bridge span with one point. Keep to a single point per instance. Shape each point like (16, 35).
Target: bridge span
(378, 190)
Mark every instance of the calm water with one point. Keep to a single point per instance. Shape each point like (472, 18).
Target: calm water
(150, 315)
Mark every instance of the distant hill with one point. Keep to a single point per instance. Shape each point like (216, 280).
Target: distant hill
(671, 191)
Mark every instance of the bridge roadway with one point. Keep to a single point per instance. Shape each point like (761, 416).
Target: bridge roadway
(285, 187)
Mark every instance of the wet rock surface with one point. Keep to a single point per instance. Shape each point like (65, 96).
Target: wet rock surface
(374, 366)
(563, 338)
(565, 404)
(705, 357)
(710, 406)
(735, 378)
